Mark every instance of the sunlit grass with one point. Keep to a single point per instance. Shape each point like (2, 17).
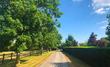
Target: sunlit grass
(32, 61)
(85, 47)
(81, 47)
(8, 63)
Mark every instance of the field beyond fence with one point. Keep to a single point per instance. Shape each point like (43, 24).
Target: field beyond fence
(95, 57)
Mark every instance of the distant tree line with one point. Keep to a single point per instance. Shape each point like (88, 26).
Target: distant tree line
(102, 42)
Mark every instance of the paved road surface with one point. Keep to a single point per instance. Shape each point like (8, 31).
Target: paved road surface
(58, 59)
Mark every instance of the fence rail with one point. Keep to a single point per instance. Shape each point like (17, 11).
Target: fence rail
(12, 56)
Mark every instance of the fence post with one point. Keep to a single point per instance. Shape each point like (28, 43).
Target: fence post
(11, 56)
(41, 50)
(17, 58)
(36, 52)
(30, 53)
(3, 58)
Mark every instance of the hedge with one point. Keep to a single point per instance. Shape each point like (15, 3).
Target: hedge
(95, 57)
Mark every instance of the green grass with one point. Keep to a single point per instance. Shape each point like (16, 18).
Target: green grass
(81, 47)
(32, 61)
(8, 63)
(85, 47)
(24, 60)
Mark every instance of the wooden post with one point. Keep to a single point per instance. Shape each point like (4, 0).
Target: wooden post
(17, 58)
(3, 58)
(36, 52)
(11, 56)
(41, 50)
(30, 53)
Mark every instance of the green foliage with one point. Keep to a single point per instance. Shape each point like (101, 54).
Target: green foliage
(108, 27)
(103, 42)
(108, 30)
(70, 42)
(6, 36)
(92, 39)
(29, 24)
(22, 43)
(83, 44)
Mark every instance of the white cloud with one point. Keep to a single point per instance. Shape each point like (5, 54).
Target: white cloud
(77, 0)
(103, 27)
(100, 11)
(101, 6)
(103, 24)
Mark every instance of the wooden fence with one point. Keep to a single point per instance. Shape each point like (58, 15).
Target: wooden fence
(12, 56)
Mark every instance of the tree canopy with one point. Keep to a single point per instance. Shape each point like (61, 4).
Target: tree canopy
(92, 39)
(29, 24)
(70, 41)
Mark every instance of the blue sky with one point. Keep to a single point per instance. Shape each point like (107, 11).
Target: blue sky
(81, 17)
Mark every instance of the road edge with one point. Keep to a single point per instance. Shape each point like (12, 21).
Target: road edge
(73, 58)
(43, 60)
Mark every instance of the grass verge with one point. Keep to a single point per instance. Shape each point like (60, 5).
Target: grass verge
(8, 63)
(33, 61)
(82, 47)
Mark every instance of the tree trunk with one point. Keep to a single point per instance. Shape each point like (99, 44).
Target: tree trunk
(41, 50)
(17, 58)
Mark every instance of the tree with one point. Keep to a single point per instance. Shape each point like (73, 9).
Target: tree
(26, 24)
(70, 41)
(83, 44)
(92, 39)
(5, 38)
(108, 28)
(103, 42)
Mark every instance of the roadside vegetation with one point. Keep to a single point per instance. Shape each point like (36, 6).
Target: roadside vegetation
(81, 47)
(34, 61)
(27, 25)
(29, 61)
(32, 25)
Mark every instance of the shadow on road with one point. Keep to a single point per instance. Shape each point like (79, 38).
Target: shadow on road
(63, 64)
(76, 62)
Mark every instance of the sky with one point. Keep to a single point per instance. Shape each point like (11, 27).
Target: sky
(82, 17)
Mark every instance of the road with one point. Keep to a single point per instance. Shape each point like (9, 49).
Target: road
(58, 59)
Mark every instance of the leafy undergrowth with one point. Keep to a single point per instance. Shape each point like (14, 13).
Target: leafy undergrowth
(32, 61)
